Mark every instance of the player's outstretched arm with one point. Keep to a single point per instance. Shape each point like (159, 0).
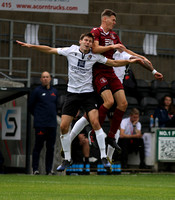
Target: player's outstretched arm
(42, 48)
(119, 63)
(157, 75)
(137, 55)
(149, 67)
(96, 48)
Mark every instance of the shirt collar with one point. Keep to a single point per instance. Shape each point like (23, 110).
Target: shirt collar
(104, 31)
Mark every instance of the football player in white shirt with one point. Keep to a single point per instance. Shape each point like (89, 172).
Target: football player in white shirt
(80, 91)
(120, 71)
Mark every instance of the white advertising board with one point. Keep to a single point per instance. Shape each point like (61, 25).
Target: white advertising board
(11, 123)
(56, 6)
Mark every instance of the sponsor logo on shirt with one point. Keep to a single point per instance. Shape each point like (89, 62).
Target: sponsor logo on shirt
(108, 42)
(81, 63)
(53, 94)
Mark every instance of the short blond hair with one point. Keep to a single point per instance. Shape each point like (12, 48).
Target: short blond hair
(134, 111)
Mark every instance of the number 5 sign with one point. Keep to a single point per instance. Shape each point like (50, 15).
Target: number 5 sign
(11, 123)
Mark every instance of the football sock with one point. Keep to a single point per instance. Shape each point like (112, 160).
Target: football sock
(100, 136)
(78, 127)
(110, 151)
(116, 120)
(102, 114)
(66, 145)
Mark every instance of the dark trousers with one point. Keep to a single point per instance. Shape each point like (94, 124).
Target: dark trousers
(129, 146)
(43, 135)
(1, 162)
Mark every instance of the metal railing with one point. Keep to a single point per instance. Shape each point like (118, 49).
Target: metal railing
(27, 72)
(158, 47)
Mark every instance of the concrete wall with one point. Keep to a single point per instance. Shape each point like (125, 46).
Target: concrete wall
(157, 15)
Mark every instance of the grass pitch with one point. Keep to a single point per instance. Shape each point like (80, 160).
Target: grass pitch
(93, 187)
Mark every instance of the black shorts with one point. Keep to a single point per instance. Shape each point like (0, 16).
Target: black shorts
(74, 101)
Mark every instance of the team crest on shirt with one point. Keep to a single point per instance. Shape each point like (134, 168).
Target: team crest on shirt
(89, 57)
(112, 36)
(103, 80)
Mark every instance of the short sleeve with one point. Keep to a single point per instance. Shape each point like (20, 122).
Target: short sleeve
(95, 32)
(102, 59)
(63, 51)
(138, 126)
(126, 55)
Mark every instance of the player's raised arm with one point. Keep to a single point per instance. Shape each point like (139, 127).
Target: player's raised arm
(42, 48)
(137, 55)
(119, 63)
(96, 48)
(147, 65)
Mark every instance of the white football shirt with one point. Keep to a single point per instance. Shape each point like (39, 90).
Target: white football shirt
(80, 68)
(128, 126)
(120, 71)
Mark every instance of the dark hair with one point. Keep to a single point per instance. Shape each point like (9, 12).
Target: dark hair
(86, 35)
(171, 108)
(108, 12)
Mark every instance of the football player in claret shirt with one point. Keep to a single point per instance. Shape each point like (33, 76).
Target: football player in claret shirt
(106, 83)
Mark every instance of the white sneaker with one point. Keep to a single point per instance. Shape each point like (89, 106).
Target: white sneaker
(36, 172)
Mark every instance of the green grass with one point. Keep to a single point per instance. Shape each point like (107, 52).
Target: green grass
(116, 187)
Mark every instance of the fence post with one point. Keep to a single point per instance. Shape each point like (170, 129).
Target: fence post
(11, 47)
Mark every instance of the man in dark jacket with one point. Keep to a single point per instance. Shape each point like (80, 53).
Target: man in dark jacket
(43, 106)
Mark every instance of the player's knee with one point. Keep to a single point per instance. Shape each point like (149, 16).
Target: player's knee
(86, 141)
(108, 103)
(95, 124)
(123, 105)
(64, 128)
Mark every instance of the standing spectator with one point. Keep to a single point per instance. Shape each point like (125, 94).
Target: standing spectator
(131, 138)
(43, 106)
(165, 112)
